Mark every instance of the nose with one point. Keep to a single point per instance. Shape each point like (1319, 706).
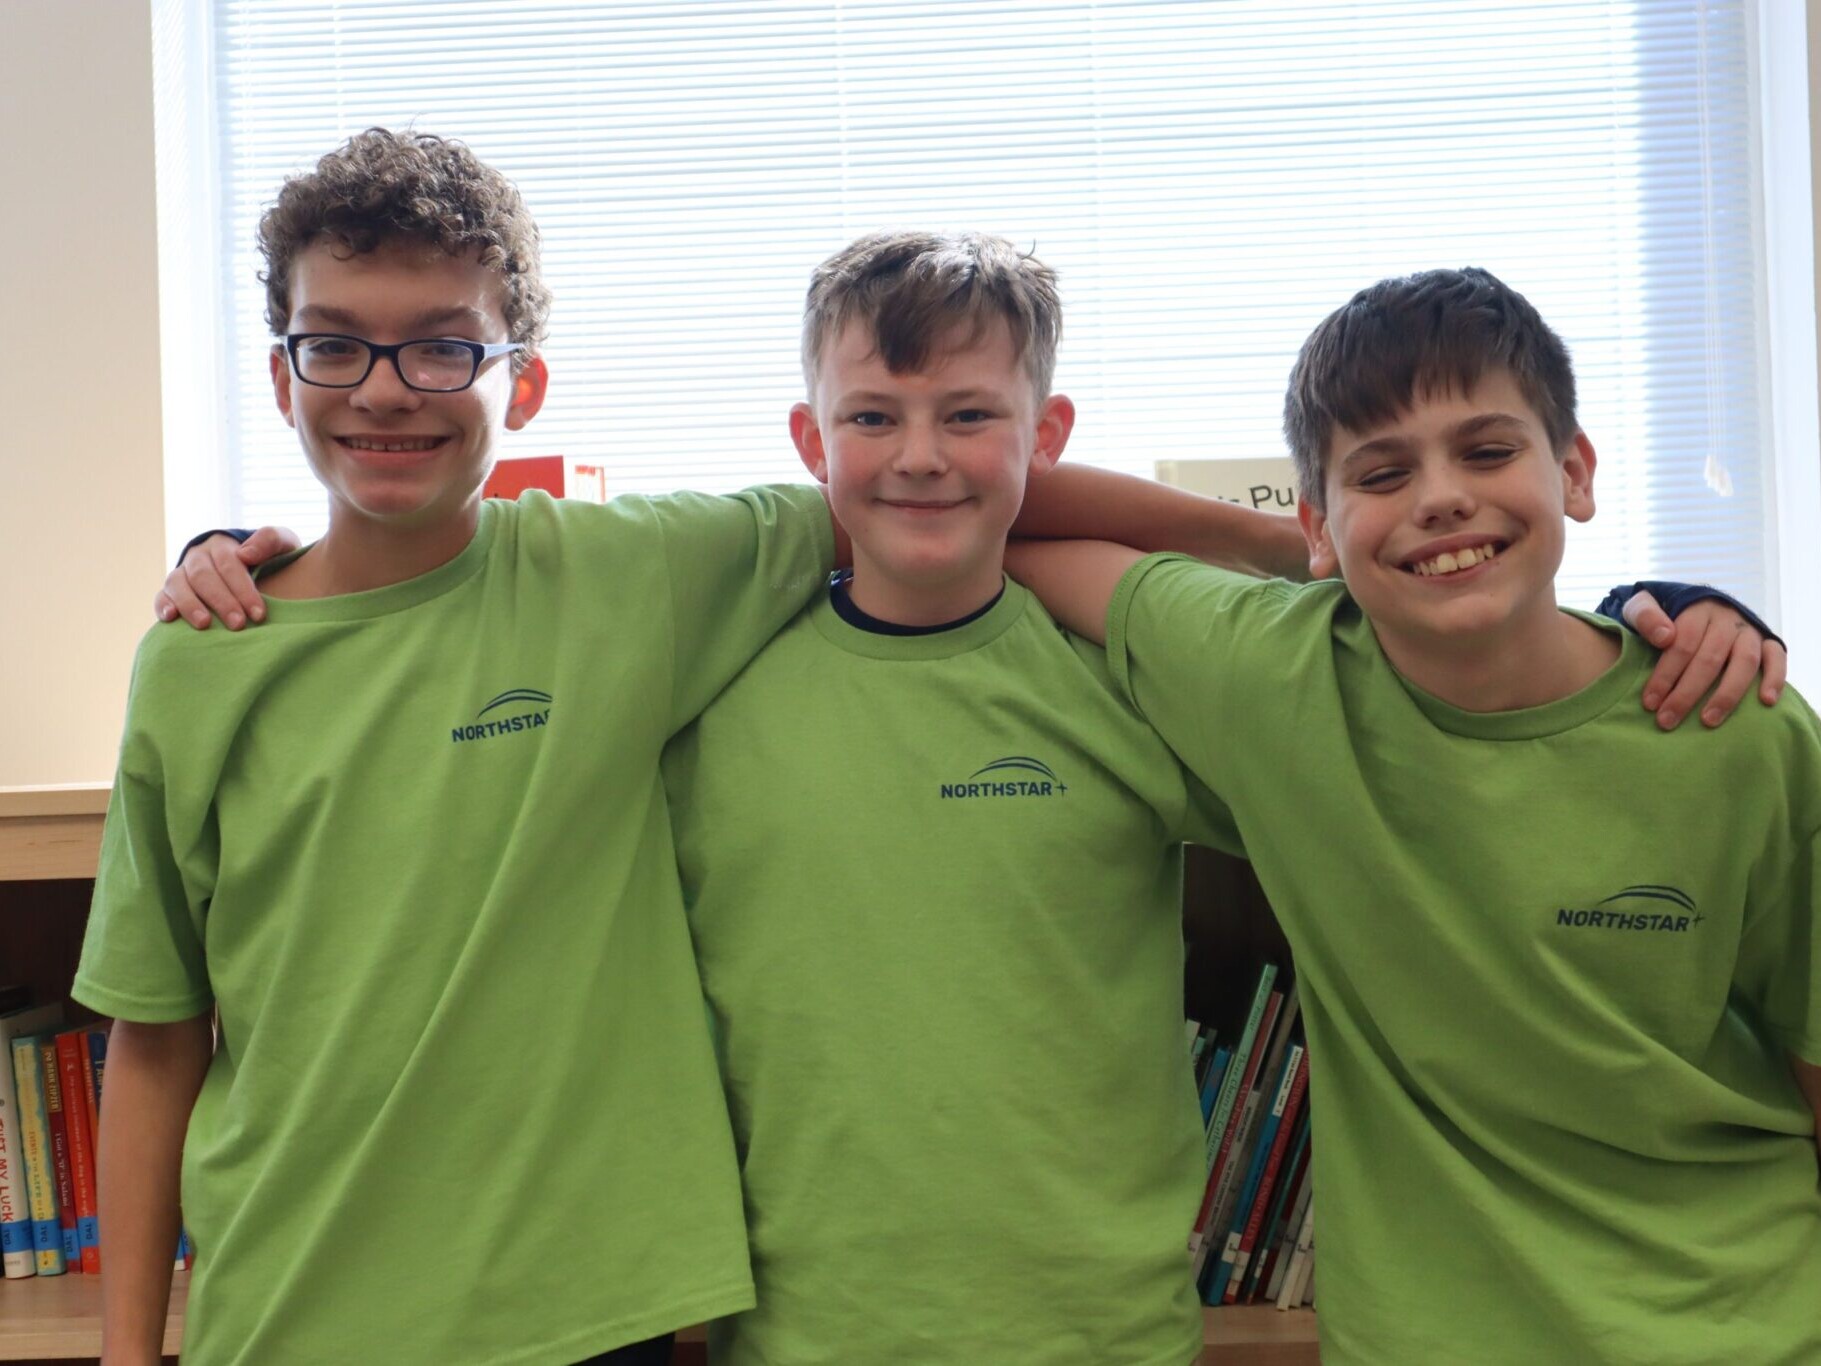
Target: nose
(384, 390)
(1442, 497)
(919, 450)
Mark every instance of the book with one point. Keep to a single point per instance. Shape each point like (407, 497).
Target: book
(93, 1061)
(1283, 1199)
(1212, 1079)
(1296, 1278)
(51, 1084)
(40, 1176)
(1292, 1227)
(16, 1256)
(1229, 1164)
(1273, 1096)
(84, 1144)
(1230, 1103)
(1278, 1137)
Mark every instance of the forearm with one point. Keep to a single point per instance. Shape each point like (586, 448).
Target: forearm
(1080, 501)
(1808, 1077)
(1075, 580)
(154, 1073)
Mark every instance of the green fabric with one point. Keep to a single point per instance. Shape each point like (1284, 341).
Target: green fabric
(413, 844)
(1552, 963)
(947, 992)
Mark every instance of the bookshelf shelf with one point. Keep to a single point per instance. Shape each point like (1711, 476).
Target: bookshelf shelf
(51, 832)
(59, 1318)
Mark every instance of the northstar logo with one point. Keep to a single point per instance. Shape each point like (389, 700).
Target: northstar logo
(1001, 779)
(1620, 911)
(481, 728)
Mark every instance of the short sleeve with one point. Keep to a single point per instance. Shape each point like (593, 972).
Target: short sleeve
(142, 955)
(1177, 643)
(739, 567)
(1779, 964)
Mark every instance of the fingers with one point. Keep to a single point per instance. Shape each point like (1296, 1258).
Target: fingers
(1776, 673)
(1671, 666)
(183, 601)
(221, 584)
(1646, 616)
(1740, 671)
(1704, 648)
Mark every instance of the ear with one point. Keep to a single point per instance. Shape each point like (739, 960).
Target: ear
(1323, 562)
(528, 389)
(806, 435)
(281, 383)
(1577, 479)
(1055, 420)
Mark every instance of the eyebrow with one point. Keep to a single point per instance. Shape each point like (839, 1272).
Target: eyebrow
(1465, 430)
(948, 396)
(428, 320)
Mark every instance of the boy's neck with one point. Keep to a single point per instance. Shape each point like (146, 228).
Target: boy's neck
(1551, 657)
(906, 604)
(357, 554)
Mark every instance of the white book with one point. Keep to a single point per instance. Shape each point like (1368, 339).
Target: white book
(1291, 1293)
(17, 1258)
(1286, 1243)
(1267, 483)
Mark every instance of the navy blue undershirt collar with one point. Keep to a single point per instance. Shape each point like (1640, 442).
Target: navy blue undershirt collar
(840, 597)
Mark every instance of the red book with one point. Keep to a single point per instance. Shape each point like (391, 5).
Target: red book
(60, 1151)
(71, 1048)
(1249, 1239)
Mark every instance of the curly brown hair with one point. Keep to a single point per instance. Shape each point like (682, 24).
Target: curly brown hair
(379, 186)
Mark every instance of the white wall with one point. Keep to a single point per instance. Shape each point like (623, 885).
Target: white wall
(81, 484)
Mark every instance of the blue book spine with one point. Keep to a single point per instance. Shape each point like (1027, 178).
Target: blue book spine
(1248, 1192)
(1210, 1086)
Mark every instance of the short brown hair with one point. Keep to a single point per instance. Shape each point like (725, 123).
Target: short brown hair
(1434, 332)
(913, 288)
(380, 186)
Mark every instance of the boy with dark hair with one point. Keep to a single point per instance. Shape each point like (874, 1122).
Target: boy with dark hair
(1565, 1031)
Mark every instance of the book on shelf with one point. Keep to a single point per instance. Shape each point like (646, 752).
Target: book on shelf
(17, 1256)
(1229, 1108)
(1296, 1280)
(50, 1083)
(83, 1140)
(1283, 1199)
(1272, 1144)
(40, 1172)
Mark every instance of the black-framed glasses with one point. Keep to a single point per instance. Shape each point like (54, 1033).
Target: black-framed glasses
(433, 365)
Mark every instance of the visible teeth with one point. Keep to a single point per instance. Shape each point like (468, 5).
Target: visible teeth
(360, 445)
(1450, 562)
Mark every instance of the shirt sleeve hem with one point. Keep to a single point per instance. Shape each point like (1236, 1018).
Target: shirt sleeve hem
(120, 1005)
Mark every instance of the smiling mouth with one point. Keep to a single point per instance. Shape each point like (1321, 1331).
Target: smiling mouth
(404, 445)
(1455, 561)
(908, 505)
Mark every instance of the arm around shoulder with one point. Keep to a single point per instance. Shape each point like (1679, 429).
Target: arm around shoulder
(1075, 580)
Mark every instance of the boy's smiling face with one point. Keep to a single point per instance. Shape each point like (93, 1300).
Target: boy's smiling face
(1447, 521)
(387, 453)
(927, 470)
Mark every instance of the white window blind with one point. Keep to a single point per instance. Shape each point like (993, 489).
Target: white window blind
(1209, 178)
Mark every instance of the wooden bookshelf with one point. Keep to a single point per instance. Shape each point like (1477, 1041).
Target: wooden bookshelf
(59, 1319)
(51, 832)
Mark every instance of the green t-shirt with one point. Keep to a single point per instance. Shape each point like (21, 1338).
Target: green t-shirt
(934, 883)
(413, 845)
(1552, 963)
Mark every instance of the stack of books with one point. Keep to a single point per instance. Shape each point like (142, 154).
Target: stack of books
(1254, 1235)
(50, 1107)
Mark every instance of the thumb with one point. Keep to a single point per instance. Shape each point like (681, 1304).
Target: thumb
(1649, 620)
(268, 541)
